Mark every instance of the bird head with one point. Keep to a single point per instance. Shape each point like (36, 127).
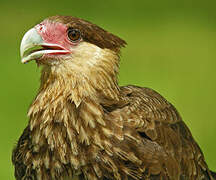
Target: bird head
(60, 39)
(79, 59)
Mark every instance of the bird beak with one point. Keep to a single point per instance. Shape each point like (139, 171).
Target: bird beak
(30, 41)
(33, 47)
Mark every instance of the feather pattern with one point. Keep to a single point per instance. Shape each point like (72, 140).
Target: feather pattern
(84, 126)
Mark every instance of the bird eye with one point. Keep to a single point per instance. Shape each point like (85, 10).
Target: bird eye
(74, 35)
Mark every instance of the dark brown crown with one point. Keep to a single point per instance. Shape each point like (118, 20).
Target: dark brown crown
(91, 32)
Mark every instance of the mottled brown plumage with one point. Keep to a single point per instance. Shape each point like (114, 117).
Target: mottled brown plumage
(83, 125)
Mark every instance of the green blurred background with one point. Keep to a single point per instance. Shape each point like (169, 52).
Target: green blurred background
(171, 48)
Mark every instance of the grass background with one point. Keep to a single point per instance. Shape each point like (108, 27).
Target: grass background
(171, 48)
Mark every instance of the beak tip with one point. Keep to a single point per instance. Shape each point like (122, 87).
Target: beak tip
(23, 61)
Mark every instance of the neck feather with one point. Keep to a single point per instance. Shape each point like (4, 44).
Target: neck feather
(72, 96)
(66, 116)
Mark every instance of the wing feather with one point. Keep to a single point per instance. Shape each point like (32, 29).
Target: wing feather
(156, 133)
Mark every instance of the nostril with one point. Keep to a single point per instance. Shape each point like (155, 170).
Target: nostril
(40, 27)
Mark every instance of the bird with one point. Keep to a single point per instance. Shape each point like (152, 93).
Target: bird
(84, 125)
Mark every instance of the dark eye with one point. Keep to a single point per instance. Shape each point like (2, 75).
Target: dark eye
(74, 35)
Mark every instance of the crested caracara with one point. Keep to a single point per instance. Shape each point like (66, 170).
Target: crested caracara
(83, 125)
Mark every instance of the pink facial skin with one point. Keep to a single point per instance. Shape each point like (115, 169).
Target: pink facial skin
(56, 34)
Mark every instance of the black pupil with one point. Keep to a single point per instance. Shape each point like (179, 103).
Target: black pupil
(74, 34)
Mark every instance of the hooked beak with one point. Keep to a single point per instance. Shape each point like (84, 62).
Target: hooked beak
(33, 47)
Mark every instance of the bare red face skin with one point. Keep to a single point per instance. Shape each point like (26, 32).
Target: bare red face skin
(55, 33)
